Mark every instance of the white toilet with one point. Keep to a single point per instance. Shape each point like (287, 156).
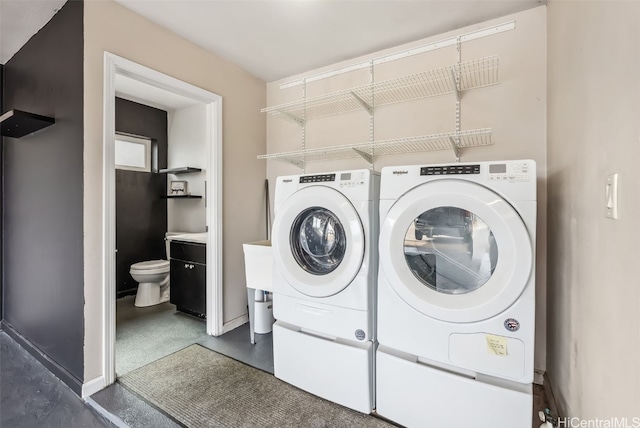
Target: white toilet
(153, 280)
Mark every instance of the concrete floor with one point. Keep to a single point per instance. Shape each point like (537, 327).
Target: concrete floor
(32, 397)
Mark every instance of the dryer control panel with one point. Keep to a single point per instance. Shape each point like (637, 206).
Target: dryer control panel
(511, 171)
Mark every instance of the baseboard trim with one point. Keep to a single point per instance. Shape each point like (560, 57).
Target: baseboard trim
(235, 323)
(56, 369)
(93, 386)
(538, 377)
(551, 399)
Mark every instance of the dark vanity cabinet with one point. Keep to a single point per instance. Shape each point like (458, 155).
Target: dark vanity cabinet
(188, 277)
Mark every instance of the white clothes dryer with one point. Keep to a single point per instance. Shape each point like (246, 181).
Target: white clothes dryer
(456, 294)
(324, 245)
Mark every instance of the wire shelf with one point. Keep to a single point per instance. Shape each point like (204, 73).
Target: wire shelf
(424, 143)
(472, 74)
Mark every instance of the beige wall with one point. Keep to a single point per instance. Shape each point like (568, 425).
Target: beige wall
(515, 109)
(111, 27)
(594, 293)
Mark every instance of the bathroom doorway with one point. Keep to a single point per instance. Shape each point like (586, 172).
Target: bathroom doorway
(149, 87)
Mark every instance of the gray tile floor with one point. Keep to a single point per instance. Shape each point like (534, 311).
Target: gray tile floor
(144, 335)
(33, 397)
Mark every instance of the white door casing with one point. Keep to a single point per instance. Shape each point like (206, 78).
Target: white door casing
(113, 65)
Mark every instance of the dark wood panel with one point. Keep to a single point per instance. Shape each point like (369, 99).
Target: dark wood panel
(188, 290)
(189, 252)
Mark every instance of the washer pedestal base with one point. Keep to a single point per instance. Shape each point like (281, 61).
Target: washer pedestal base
(333, 370)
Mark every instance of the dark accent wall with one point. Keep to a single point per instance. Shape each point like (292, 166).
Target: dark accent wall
(43, 196)
(1, 192)
(141, 204)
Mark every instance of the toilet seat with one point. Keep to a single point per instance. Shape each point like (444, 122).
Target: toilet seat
(151, 267)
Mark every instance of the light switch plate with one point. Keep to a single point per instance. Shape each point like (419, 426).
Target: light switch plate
(611, 196)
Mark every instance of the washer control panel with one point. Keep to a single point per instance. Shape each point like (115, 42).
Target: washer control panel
(512, 171)
(352, 179)
(320, 178)
(342, 179)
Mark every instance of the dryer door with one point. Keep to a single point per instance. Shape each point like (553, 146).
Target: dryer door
(455, 250)
(318, 241)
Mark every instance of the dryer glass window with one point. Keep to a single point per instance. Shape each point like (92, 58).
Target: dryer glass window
(318, 241)
(450, 250)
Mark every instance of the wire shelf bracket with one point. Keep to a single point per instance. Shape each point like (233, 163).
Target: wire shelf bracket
(366, 156)
(293, 118)
(363, 103)
(455, 147)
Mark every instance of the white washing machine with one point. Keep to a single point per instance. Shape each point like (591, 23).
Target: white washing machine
(324, 247)
(456, 294)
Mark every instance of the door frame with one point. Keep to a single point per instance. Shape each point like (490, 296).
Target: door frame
(116, 65)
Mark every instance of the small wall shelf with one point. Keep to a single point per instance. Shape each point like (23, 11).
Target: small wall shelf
(472, 74)
(180, 170)
(184, 197)
(18, 123)
(422, 143)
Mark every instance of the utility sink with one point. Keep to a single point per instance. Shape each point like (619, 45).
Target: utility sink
(258, 261)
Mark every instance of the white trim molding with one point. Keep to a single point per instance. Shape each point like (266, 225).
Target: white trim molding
(93, 386)
(116, 65)
(235, 323)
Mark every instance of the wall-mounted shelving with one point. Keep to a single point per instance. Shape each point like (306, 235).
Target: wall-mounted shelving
(179, 170)
(18, 123)
(451, 79)
(423, 143)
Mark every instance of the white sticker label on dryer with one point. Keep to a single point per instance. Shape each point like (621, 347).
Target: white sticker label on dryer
(496, 345)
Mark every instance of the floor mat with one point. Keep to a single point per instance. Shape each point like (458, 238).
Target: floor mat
(201, 388)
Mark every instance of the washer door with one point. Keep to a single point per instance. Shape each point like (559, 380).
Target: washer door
(455, 251)
(318, 241)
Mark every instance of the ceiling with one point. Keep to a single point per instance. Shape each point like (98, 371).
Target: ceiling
(21, 19)
(274, 39)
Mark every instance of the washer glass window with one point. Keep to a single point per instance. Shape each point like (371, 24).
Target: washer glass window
(318, 240)
(450, 250)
